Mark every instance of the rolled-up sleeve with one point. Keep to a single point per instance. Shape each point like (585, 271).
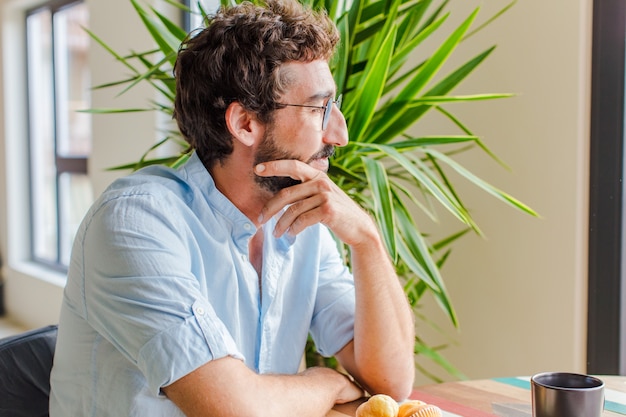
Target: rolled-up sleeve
(175, 352)
(143, 290)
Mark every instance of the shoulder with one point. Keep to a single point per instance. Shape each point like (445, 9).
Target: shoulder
(157, 193)
(160, 182)
(157, 181)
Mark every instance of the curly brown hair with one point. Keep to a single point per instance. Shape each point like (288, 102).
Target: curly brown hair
(237, 57)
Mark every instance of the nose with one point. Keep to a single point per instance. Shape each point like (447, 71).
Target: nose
(336, 132)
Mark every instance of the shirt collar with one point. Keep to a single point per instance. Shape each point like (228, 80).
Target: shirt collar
(240, 226)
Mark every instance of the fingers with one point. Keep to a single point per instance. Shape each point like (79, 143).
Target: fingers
(297, 197)
(307, 204)
(300, 215)
(315, 200)
(293, 168)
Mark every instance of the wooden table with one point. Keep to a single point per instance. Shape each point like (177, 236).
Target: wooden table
(498, 397)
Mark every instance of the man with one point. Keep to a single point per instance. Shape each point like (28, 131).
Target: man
(192, 291)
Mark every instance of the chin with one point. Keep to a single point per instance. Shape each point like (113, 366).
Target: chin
(275, 184)
(320, 164)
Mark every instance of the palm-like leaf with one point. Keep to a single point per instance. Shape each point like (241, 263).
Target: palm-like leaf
(386, 170)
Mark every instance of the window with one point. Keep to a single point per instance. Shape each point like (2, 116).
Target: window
(194, 20)
(59, 135)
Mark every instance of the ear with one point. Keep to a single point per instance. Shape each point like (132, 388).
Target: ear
(243, 124)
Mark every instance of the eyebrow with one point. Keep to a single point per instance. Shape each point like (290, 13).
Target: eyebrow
(320, 96)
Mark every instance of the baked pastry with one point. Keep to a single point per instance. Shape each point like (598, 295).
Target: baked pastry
(407, 405)
(378, 405)
(416, 408)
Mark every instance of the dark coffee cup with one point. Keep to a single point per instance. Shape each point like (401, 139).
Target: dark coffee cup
(561, 394)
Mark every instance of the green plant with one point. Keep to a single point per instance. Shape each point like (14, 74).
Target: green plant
(390, 173)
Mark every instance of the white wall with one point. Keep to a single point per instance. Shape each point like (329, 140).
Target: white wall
(520, 293)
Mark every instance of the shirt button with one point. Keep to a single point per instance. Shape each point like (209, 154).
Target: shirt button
(247, 226)
(200, 311)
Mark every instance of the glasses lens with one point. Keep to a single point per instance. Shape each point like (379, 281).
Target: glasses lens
(329, 109)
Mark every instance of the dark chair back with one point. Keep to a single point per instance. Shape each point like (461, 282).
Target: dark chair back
(25, 365)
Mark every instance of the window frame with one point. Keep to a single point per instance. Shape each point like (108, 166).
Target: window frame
(606, 310)
(63, 164)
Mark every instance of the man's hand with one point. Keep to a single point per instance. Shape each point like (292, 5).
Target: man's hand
(316, 200)
(350, 392)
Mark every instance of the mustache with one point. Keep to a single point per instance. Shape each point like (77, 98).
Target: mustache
(326, 152)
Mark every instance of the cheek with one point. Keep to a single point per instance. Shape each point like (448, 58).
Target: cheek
(300, 136)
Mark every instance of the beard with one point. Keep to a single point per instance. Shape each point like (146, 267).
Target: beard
(270, 151)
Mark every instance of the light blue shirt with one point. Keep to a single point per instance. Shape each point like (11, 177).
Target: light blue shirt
(160, 284)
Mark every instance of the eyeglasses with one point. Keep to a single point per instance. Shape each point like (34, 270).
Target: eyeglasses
(328, 108)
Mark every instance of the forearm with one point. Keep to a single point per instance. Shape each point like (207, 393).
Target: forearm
(227, 388)
(381, 354)
(384, 331)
